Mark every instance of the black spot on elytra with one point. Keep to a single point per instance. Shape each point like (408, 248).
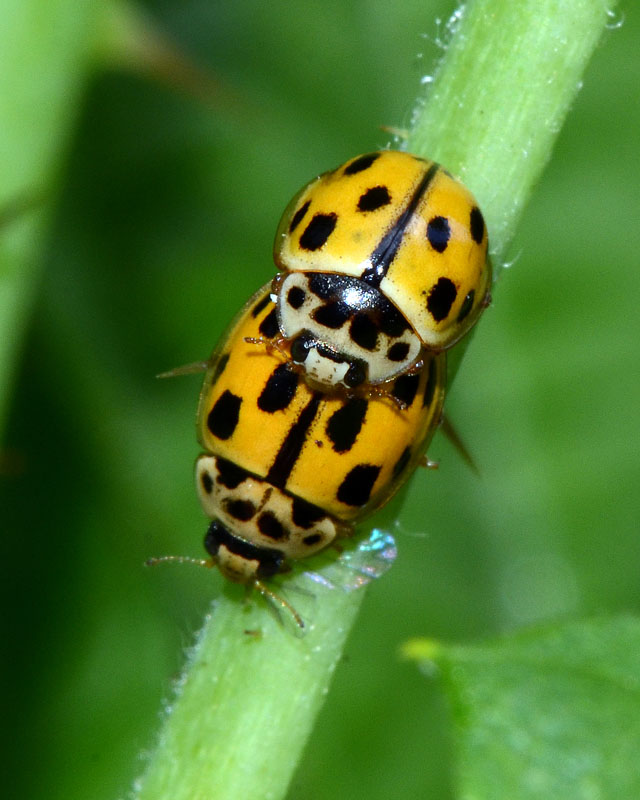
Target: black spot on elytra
(345, 424)
(374, 198)
(430, 386)
(297, 217)
(398, 351)
(262, 304)
(318, 231)
(305, 514)
(220, 367)
(312, 538)
(230, 475)
(438, 233)
(405, 388)
(467, 305)
(476, 225)
(269, 525)
(364, 332)
(207, 482)
(361, 163)
(402, 463)
(355, 489)
(332, 315)
(296, 296)
(279, 390)
(269, 325)
(241, 510)
(440, 299)
(224, 415)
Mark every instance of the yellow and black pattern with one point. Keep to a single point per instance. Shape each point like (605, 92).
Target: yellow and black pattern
(325, 392)
(289, 468)
(402, 225)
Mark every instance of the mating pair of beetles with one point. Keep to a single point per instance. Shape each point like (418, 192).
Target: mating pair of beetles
(322, 397)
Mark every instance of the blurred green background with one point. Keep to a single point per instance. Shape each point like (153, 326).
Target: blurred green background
(165, 207)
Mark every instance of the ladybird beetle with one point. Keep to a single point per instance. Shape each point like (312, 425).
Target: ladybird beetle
(289, 469)
(378, 260)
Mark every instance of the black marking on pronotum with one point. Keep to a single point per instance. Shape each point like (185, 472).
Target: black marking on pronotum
(398, 352)
(279, 390)
(293, 443)
(305, 514)
(332, 315)
(361, 163)
(207, 482)
(230, 475)
(269, 525)
(430, 386)
(392, 323)
(269, 560)
(324, 285)
(241, 510)
(345, 424)
(441, 297)
(385, 252)
(259, 306)
(364, 332)
(374, 198)
(476, 225)
(312, 538)
(269, 325)
(295, 220)
(318, 231)
(405, 388)
(296, 296)
(224, 415)
(355, 489)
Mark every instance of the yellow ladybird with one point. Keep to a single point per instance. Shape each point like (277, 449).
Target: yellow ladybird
(379, 259)
(287, 468)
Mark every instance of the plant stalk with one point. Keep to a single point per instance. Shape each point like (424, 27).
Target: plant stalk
(250, 693)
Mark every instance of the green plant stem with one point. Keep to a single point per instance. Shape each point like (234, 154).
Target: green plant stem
(501, 95)
(246, 704)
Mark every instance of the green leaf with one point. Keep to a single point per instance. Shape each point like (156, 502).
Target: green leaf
(553, 713)
(45, 49)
